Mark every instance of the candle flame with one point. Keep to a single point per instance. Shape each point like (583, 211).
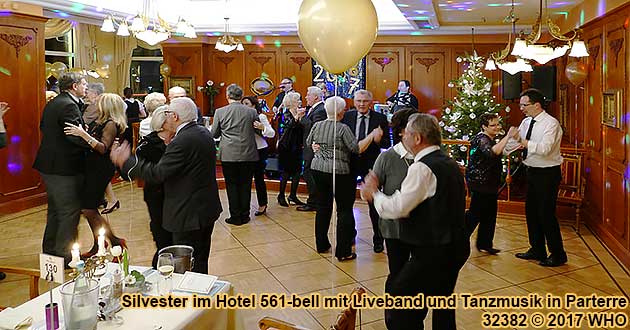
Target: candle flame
(101, 232)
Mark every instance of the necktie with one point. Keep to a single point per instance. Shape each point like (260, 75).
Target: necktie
(362, 128)
(528, 135)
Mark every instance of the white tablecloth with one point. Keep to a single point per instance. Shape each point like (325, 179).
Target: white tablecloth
(137, 319)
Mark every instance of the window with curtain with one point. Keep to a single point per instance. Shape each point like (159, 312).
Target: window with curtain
(145, 74)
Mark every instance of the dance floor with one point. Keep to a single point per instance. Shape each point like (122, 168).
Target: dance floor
(276, 253)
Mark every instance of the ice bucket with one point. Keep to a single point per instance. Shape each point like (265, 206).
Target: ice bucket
(182, 257)
(80, 308)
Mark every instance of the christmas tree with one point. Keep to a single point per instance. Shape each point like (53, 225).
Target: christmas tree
(460, 115)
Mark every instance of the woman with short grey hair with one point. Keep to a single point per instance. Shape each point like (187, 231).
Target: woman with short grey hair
(90, 113)
(151, 103)
(151, 148)
(336, 143)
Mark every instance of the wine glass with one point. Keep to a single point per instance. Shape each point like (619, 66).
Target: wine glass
(165, 267)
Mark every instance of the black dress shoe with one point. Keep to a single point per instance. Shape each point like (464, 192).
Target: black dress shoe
(234, 221)
(306, 208)
(264, 210)
(352, 256)
(529, 255)
(295, 200)
(378, 247)
(554, 261)
(282, 201)
(489, 250)
(245, 220)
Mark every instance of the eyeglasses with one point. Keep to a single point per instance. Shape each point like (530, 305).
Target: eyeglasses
(522, 105)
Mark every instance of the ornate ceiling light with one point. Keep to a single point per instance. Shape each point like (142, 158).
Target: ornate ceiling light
(500, 58)
(228, 43)
(527, 47)
(148, 26)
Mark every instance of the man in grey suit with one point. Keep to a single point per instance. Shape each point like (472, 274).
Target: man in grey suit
(234, 123)
(316, 112)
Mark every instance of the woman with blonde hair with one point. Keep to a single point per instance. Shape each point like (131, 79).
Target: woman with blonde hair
(99, 169)
(290, 146)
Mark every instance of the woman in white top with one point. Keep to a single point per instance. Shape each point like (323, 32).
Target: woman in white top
(263, 130)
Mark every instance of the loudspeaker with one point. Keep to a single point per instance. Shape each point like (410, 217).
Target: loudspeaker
(544, 79)
(511, 85)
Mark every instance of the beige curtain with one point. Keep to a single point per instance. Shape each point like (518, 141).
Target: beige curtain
(56, 27)
(85, 46)
(123, 49)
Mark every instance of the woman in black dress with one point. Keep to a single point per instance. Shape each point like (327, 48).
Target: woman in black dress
(483, 176)
(290, 148)
(151, 148)
(99, 169)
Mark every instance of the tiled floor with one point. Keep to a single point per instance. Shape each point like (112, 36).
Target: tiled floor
(276, 253)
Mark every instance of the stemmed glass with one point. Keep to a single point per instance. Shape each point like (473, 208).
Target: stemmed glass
(165, 267)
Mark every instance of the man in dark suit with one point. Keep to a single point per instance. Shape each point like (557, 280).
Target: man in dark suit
(316, 112)
(430, 206)
(362, 120)
(187, 170)
(60, 160)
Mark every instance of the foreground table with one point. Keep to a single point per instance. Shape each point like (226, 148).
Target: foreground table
(158, 319)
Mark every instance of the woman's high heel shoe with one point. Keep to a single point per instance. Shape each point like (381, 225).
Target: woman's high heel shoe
(295, 200)
(114, 207)
(282, 201)
(264, 210)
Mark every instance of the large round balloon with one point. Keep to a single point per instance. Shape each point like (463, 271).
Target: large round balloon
(576, 72)
(337, 33)
(57, 69)
(48, 70)
(165, 70)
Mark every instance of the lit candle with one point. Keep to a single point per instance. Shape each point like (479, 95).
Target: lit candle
(75, 253)
(101, 242)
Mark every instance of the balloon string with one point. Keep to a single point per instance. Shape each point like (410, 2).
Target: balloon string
(334, 189)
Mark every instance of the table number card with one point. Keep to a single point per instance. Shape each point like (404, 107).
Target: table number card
(51, 268)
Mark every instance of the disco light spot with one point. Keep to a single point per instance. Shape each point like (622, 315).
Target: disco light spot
(5, 71)
(216, 33)
(416, 33)
(590, 100)
(277, 43)
(15, 139)
(28, 57)
(260, 43)
(77, 7)
(248, 38)
(14, 168)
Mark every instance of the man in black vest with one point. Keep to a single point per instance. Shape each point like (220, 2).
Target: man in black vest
(60, 161)
(431, 203)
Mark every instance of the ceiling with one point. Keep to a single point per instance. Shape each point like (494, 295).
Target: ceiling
(279, 17)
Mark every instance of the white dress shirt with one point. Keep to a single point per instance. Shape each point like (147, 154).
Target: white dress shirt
(543, 147)
(419, 185)
(145, 127)
(267, 132)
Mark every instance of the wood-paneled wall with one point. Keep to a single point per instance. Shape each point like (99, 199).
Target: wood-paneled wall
(22, 86)
(607, 164)
(429, 67)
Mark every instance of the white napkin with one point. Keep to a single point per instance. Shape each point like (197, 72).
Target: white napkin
(11, 319)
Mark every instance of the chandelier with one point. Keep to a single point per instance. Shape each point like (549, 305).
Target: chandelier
(228, 43)
(147, 26)
(525, 48)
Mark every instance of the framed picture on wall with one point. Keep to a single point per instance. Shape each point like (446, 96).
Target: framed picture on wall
(185, 82)
(611, 107)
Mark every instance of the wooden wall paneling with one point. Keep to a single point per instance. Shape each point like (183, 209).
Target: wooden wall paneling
(615, 211)
(615, 70)
(186, 60)
(296, 64)
(427, 71)
(385, 67)
(257, 62)
(228, 68)
(594, 88)
(594, 194)
(23, 86)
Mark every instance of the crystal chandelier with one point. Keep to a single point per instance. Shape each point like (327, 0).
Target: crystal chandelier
(525, 48)
(147, 26)
(228, 43)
